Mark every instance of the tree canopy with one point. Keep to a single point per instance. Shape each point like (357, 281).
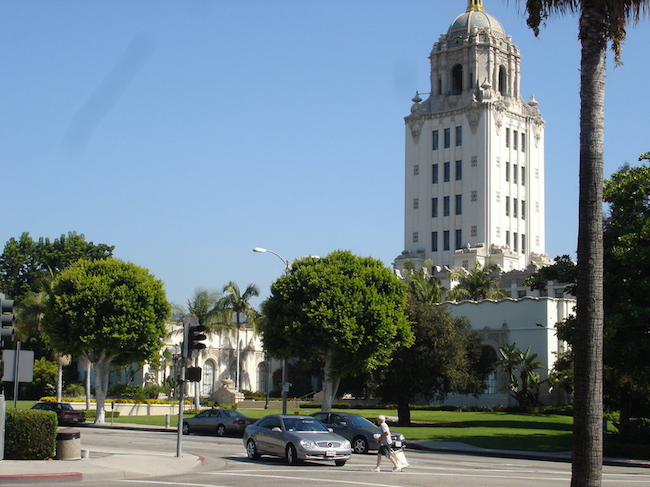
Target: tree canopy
(111, 312)
(344, 309)
(480, 282)
(25, 261)
(445, 358)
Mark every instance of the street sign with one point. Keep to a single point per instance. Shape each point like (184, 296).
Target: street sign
(25, 365)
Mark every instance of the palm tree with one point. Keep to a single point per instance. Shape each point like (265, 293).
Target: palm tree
(476, 283)
(600, 21)
(238, 312)
(202, 305)
(423, 287)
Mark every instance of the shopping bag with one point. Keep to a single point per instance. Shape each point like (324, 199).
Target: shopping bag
(400, 458)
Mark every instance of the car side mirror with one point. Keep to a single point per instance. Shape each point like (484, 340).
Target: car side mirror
(344, 424)
(330, 430)
(276, 429)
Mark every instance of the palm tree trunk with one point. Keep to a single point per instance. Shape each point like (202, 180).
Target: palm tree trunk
(588, 347)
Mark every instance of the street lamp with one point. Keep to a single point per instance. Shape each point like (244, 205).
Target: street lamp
(287, 270)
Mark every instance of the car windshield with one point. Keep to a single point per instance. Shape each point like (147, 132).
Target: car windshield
(303, 424)
(358, 422)
(65, 407)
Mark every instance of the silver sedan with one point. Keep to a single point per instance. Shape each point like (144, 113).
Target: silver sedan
(295, 438)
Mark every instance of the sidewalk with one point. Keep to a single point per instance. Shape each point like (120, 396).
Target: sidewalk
(123, 464)
(101, 465)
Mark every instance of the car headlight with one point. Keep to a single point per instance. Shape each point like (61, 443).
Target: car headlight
(308, 444)
(345, 444)
(400, 437)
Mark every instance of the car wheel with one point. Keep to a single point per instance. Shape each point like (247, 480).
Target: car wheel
(339, 463)
(251, 450)
(186, 429)
(360, 445)
(291, 455)
(221, 430)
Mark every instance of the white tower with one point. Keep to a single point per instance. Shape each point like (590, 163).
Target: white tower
(474, 155)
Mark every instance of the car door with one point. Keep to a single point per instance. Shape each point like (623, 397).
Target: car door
(340, 427)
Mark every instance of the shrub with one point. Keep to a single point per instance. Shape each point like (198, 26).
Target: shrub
(636, 430)
(74, 390)
(30, 434)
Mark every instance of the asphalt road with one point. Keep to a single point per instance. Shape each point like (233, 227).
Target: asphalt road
(226, 465)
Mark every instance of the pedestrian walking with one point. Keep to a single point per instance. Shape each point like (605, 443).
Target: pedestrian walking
(385, 442)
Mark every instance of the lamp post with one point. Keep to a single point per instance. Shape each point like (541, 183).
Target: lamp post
(287, 269)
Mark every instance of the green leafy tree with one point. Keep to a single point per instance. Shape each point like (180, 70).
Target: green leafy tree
(237, 313)
(110, 311)
(24, 262)
(422, 286)
(627, 291)
(480, 282)
(444, 358)
(345, 310)
(600, 22)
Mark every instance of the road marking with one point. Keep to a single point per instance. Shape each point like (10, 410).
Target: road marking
(299, 479)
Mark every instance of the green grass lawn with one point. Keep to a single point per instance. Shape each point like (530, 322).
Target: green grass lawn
(495, 430)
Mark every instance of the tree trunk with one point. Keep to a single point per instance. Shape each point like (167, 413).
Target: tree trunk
(59, 383)
(328, 384)
(588, 347)
(88, 366)
(403, 411)
(102, 367)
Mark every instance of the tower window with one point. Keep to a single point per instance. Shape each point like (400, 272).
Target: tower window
(507, 205)
(416, 170)
(474, 195)
(508, 238)
(514, 207)
(507, 137)
(474, 231)
(459, 239)
(434, 174)
(434, 241)
(416, 237)
(523, 243)
(523, 209)
(514, 241)
(447, 172)
(435, 140)
(459, 170)
(459, 136)
(507, 171)
(416, 203)
(459, 204)
(523, 176)
(445, 240)
(514, 139)
(515, 168)
(502, 81)
(447, 138)
(445, 206)
(434, 208)
(456, 80)
(523, 142)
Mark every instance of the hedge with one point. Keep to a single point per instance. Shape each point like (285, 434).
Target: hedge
(30, 434)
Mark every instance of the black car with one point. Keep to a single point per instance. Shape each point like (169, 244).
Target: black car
(357, 429)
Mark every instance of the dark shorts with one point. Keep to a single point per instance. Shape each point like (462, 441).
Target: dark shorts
(384, 450)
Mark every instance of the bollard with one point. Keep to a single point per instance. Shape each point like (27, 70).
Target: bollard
(167, 421)
(68, 444)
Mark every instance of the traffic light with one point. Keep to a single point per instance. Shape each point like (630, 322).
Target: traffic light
(194, 335)
(7, 319)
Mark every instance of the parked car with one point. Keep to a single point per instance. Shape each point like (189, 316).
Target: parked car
(357, 429)
(217, 421)
(64, 412)
(295, 438)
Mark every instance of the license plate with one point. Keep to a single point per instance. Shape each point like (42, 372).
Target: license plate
(398, 444)
(330, 453)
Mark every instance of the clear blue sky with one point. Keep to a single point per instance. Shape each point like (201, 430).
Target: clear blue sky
(186, 133)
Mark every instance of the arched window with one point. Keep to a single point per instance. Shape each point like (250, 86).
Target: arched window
(207, 379)
(263, 377)
(503, 81)
(489, 358)
(457, 80)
